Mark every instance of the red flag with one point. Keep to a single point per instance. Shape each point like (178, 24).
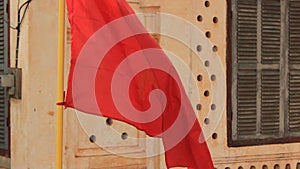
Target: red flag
(119, 71)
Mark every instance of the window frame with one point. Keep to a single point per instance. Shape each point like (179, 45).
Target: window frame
(230, 124)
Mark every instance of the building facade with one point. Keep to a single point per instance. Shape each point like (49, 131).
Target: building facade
(249, 73)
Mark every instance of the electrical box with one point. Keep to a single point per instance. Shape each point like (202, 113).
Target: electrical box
(12, 80)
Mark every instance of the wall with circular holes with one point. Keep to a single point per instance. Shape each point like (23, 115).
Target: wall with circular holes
(210, 16)
(199, 54)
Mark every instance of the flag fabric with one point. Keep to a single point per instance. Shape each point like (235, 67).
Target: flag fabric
(119, 71)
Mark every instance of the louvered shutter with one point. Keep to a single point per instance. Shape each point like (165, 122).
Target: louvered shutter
(3, 69)
(246, 73)
(266, 70)
(256, 68)
(294, 68)
(270, 68)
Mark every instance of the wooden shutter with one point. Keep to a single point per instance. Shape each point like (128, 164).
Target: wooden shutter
(294, 68)
(270, 68)
(271, 31)
(256, 67)
(245, 69)
(3, 69)
(270, 103)
(265, 71)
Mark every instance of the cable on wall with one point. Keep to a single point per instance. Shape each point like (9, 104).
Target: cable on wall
(25, 5)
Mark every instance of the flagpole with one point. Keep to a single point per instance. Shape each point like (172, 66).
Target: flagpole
(60, 84)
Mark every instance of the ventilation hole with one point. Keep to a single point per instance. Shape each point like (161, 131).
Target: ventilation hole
(199, 78)
(213, 107)
(92, 138)
(207, 3)
(265, 167)
(207, 63)
(206, 93)
(199, 106)
(215, 136)
(208, 34)
(109, 121)
(252, 167)
(199, 48)
(199, 18)
(240, 167)
(298, 166)
(124, 136)
(288, 166)
(213, 77)
(215, 49)
(215, 20)
(206, 121)
(276, 166)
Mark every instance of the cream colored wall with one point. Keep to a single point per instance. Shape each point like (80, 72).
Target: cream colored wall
(223, 156)
(33, 117)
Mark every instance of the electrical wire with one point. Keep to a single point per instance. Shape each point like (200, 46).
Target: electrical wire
(18, 27)
(8, 23)
(20, 21)
(25, 10)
